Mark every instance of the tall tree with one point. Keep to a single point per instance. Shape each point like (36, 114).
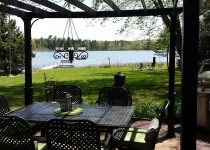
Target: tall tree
(11, 44)
(204, 45)
(163, 40)
(50, 41)
(151, 25)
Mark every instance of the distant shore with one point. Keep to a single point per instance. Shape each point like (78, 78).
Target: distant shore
(46, 60)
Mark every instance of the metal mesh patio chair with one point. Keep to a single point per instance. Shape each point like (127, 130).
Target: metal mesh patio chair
(4, 107)
(115, 96)
(74, 90)
(15, 134)
(137, 138)
(72, 134)
(103, 96)
(119, 96)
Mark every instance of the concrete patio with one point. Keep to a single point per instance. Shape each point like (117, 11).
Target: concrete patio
(203, 138)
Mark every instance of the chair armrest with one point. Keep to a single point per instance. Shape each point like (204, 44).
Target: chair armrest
(41, 139)
(136, 118)
(107, 142)
(81, 101)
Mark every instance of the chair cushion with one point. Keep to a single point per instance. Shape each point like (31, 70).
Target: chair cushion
(135, 136)
(132, 139)
(154, 124)
(136, 140)
(152, 131)
(42, 146)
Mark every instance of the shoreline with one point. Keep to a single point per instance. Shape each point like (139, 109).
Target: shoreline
(132, 65)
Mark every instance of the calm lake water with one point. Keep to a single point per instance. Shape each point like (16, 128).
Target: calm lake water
(97, 58)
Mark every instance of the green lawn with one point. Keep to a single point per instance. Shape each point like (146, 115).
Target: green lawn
(145, 85)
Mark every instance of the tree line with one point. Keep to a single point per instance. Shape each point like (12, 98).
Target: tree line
(12, 41)
(51, 43)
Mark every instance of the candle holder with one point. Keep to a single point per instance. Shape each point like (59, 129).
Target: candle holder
(65, 102)
(71, 54)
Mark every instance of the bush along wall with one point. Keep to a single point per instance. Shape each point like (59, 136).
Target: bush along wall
(151, 109)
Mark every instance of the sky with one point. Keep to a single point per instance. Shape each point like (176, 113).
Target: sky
(56, 27)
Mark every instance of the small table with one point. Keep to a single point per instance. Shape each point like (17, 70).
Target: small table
(104, 116)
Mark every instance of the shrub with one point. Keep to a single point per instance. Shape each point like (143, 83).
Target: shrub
(151, 109)
(148, 109)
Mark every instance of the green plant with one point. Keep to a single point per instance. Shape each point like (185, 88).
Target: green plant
(48, 87)
(148, 109)
(177, 110)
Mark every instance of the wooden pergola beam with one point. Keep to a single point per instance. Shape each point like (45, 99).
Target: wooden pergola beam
(12, 11)
(25, 6)
(81, 6)
(124, 13)
(53, 6)
(112, 5)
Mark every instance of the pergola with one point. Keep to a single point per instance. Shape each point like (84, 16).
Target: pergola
(29, 9)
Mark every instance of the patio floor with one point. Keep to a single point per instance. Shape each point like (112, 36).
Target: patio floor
(203, 138)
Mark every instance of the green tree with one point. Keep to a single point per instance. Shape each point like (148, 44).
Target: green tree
(163, 40)
(11, 45)
(50, 42)
(33, 44)
(54, 42)
(204, 36)
(151, 25)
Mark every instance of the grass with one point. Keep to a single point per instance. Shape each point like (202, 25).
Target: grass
(145, 85)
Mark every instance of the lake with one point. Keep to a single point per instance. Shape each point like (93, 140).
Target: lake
(97, 58)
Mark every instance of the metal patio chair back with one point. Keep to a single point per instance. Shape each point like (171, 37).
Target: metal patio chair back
(119, 96)
(74, 90)
(4, 107)
(15, 134)
(72, 134)
(114, 96)
(138, 138)
(103, 96)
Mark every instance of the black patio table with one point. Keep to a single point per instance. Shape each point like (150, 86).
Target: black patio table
(104, 116)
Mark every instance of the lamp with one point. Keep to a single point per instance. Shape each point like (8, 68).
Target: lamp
(65, 102)
(70, 54)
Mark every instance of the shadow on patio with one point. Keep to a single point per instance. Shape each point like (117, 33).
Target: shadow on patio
(202, 143)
